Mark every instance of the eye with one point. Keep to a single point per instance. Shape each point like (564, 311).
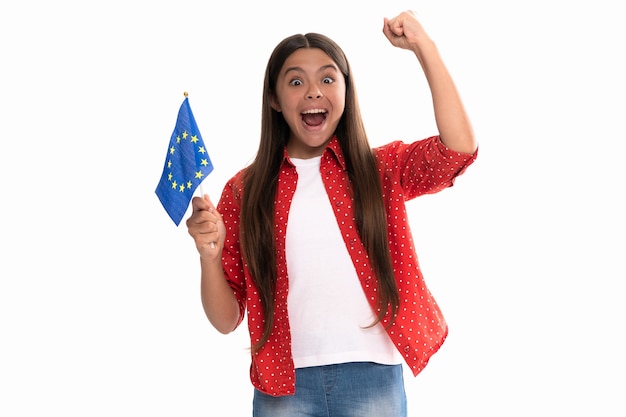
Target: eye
(296, 81)
(328, 80)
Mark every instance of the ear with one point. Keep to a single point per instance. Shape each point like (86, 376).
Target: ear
(274, 102)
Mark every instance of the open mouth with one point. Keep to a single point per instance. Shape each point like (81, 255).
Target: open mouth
(314, 117)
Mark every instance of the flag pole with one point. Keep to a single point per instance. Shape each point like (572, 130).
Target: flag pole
(186, 94)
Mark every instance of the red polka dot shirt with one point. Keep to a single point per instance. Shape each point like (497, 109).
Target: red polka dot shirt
(406, 171)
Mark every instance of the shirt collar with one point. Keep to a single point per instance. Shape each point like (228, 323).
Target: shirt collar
(333, 148)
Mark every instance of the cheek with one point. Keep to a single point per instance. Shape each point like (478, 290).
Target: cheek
(279, 99)
(286, 102)
(274, 102)
(340, 95)
(339, 100)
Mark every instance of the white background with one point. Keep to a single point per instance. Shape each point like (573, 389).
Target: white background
(100, 312)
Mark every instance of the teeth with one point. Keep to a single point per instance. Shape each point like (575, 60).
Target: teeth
(314, 111)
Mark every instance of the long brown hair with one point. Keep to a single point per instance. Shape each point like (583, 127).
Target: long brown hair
(261, 177)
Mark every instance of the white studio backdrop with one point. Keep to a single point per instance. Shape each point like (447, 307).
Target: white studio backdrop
(100, 311)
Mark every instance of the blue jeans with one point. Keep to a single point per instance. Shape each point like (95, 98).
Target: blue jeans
(358, 389)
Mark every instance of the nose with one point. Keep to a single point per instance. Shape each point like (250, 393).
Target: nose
(314, 92)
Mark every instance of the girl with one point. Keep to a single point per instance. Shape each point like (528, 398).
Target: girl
(312, 240)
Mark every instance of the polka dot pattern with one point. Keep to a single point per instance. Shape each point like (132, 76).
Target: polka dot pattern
(406, 171)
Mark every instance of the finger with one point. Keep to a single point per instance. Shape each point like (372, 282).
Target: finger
(211, 208)
(396, 25)
(199, 204)
(386, 28)
(389, 33)
(214, 212)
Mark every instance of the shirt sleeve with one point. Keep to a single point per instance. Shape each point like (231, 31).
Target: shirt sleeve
(426, 166)
(232, 260)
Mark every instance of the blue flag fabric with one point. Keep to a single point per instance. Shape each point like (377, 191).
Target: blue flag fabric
(186, 164)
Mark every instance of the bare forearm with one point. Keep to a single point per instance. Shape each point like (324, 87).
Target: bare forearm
(208, 231)
(218, 299)
(453, 123)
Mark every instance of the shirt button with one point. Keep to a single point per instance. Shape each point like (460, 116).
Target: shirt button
(338, 203)
(407, 349)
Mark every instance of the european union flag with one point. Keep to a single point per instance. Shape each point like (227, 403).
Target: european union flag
(186, 164)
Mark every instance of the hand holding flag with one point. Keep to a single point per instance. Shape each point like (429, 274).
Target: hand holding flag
(186, 164)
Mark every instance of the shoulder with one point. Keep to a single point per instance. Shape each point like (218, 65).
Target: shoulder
(400, 145)
(397, 151)
(234, 186)
(428, 149)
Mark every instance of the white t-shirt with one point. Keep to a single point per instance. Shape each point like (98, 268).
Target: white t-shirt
(329, 315)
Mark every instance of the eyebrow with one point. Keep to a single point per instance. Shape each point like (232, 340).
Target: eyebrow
(322, 68)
